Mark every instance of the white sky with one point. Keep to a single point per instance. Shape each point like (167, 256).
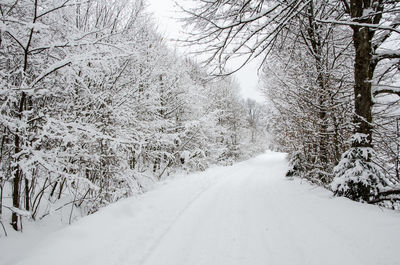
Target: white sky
(164, 14)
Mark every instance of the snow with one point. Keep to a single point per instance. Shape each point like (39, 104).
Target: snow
(368, 11)
(21, 212)
(248, 214)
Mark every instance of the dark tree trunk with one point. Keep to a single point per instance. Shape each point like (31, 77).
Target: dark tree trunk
(16, 198)
(362, 86)
(363, 68)
(27, 197)
(18, 175)
(16, 195)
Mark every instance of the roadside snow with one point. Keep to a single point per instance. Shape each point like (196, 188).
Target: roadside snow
(246, 214)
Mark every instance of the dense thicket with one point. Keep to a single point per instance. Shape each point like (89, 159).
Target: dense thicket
(95, 107)
(331, 75)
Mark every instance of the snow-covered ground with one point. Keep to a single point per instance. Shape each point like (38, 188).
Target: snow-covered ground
(246, 214)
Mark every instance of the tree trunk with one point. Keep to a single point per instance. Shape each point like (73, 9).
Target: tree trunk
(27, 197)
(17, 141)
(17, 172)
(363, 71)
(16, 198)
(316, 47)
(362, 86)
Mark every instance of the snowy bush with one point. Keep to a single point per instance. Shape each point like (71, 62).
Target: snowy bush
(295, 165)
(356, 176)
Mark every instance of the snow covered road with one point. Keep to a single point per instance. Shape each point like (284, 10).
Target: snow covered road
(246, 214)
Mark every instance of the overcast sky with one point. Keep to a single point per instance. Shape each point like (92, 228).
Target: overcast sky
(164, 12)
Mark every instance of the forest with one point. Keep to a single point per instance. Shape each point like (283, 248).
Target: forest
(96, 106)
(330, 72)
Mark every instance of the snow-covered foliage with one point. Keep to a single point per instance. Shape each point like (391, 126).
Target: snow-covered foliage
(94, 107)
(356, 176)
(310, 103)
(324, 94)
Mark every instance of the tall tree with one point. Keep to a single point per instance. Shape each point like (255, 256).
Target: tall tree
(357, 176)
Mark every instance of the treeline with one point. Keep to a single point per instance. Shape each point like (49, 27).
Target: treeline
(331, 76)
(96, 107)
(333, 92)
